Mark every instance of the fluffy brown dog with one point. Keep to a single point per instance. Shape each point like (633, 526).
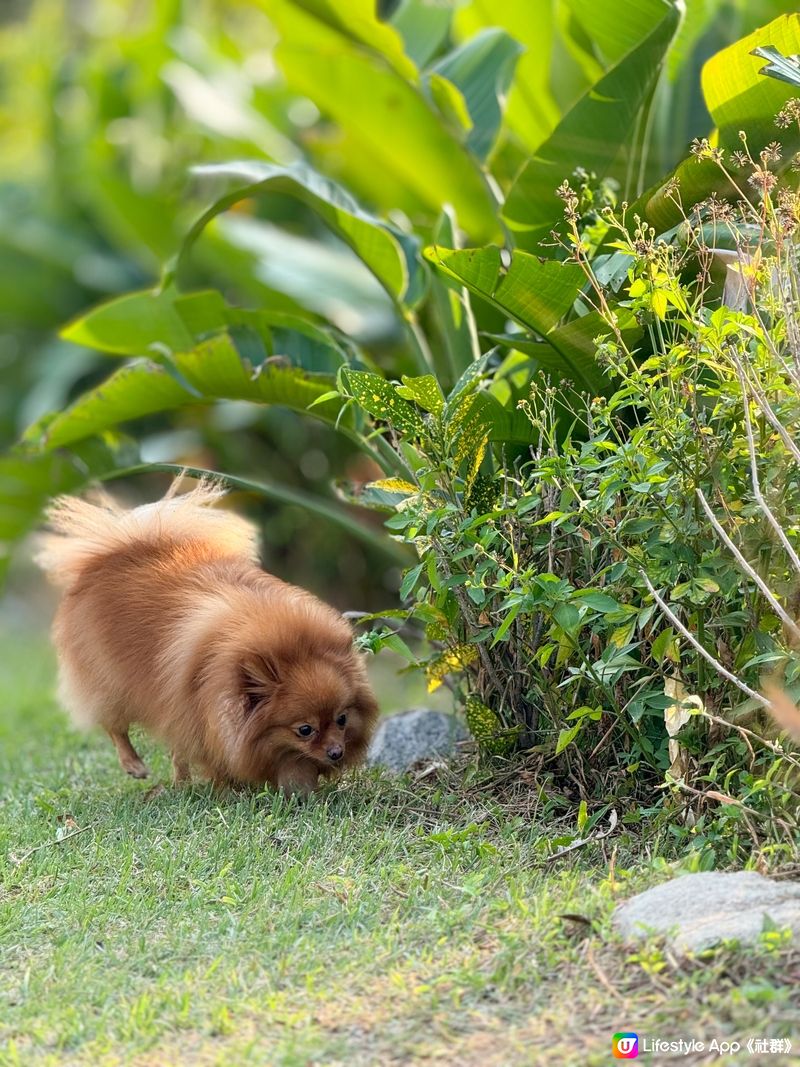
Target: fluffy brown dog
(167, 620)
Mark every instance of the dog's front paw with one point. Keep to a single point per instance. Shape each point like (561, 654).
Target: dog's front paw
(181, 771)
(136, 768)
(298, 781)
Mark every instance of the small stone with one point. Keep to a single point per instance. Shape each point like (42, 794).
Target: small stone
(696, 911)
(405, 739)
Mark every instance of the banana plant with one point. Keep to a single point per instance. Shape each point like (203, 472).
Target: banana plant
(440, 181)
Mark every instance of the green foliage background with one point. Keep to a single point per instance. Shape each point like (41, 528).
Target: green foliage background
(106, 106)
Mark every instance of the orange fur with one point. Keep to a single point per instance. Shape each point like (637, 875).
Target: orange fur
(167, 620)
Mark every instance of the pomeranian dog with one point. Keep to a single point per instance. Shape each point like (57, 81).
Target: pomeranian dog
(168, 620)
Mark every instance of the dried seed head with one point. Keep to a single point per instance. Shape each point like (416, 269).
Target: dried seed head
(789, 113)
(772, 152)
(763, 180)
(703, 149)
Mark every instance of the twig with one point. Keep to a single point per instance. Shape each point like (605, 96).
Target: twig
(673, 618)
(602, 741)
(612, 821)
(778, 750)
(769, 412)
(712, 794)
(747, 568)
(46, 844)
(763, 403)
(603, 978)
(723, 798)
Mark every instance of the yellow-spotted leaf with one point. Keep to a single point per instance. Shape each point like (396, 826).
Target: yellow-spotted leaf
(437, 630)
(449, 662)
(424, 391)
(468, 428)
(483, 495)
(487, 729)
(380, 399)
(475, 465)
(393, 485)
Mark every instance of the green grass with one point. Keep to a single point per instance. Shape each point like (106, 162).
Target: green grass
(383, 922)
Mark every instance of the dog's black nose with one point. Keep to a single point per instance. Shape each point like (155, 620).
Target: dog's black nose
(335, 752)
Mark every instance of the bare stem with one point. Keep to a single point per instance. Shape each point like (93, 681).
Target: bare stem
(761, 399)
(747, 568)
(676, 622)
(763, 505)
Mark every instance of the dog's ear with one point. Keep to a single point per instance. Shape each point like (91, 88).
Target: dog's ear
(259, 678)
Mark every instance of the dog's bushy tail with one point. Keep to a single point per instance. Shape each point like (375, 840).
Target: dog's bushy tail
(84, 530)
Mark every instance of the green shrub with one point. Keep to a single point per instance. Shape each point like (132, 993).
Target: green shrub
(612, 598)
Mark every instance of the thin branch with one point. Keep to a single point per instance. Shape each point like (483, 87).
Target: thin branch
(761, 399)
(712, 794)
(603, 977)
(765, 508)
(612, 824)
(747, 568)
(778, 750)
(17, 860)
(673, 618)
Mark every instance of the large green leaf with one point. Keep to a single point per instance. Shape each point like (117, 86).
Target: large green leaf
(137, 389)
(538, 294)
(575, 342)
(535, 292)
(739, 97)
(593, 133)
(358, 20)
(577, 339)
(391, 255)
(383, 114)
(213, 370)
(616, 27)
(29, 480)
(424, 26)
(482, 69)
(532, 112)
(140, 323)
(158, 323)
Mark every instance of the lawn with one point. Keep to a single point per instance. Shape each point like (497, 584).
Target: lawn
(383, 922)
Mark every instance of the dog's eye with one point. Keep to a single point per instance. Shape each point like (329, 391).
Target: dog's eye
(342, 720)
(305, 730)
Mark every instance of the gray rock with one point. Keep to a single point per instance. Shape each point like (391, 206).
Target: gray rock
(696, 911)
(410, 736)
